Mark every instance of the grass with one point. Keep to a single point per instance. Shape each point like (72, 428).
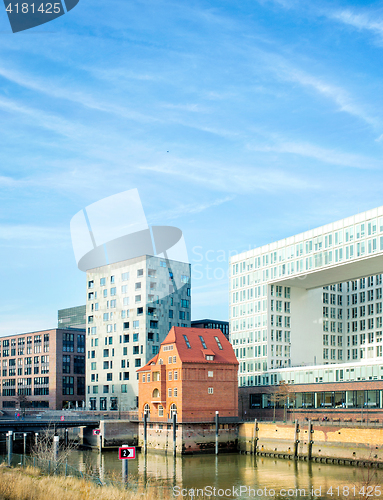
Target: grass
(30, 484)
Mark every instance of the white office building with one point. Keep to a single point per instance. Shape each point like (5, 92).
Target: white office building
(310, 300)
(131, 306)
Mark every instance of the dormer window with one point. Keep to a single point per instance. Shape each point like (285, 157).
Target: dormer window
(209, 357)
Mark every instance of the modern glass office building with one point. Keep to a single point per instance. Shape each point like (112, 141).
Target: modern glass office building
(310, 300)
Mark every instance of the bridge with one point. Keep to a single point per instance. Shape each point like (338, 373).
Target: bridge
(59, 419)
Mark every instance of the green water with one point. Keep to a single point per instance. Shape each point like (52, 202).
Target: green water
(233, 475)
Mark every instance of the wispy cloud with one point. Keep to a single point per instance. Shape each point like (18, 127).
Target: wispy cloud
(338, 95)
(325, 155)
(359, 20)
(187, 209)
(86, 99)
(32, 233)
(230, 177)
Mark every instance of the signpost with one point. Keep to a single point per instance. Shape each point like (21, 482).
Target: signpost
(126, 453)
(96, 432)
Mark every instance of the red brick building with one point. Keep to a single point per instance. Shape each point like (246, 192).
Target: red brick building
(44, 369)
(194, 374)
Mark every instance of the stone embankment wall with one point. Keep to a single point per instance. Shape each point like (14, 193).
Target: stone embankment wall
(332, 443)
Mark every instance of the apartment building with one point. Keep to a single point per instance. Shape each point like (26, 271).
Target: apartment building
(44, 369)
(314, 299)
(131, 306)
(194, 375)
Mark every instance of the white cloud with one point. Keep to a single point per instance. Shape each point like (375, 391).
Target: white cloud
(231, 177)
(319, 153)
(32, 233)
(361, 21)
(340, 96)
(189, 209)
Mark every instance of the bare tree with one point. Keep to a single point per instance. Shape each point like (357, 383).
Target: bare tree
(281, 396)
(23, 402)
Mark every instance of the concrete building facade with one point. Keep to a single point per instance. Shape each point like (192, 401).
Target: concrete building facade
(131, 306)
(43, 369)
(308, 300)
(194, 375)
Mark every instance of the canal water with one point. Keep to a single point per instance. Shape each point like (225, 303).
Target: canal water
(235, 476)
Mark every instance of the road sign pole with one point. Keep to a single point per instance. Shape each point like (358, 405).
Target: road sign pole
(125, 469)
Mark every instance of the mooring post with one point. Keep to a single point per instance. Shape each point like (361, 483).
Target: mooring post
(145, 432)
(125, 468)
(56, 442)
(310, 441)
(255, 437)
(24, 447)
(216, 431)
(174, 433)
(296, 440)
(9, 446)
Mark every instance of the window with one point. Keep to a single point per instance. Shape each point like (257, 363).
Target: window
(187, 341)
(137, 362)
(210, 390)
(170, 313)
(218, 343)
(160, 411)
(136, 323)
(124, 276)
(202, 342)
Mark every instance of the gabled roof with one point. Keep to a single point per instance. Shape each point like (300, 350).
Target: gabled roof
(196, 353)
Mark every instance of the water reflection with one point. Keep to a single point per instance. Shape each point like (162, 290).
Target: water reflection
(233, 476)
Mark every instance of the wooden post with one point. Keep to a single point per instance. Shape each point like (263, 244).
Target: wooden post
(296, 440)
(216, 431)
(310, 441)
(255, 437)
(145, 432)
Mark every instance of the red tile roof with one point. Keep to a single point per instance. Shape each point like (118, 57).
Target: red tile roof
(196, 354)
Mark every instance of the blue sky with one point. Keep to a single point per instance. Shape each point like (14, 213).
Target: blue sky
(239, 122)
